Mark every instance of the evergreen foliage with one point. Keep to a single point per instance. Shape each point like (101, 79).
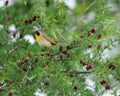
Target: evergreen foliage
(60, 70)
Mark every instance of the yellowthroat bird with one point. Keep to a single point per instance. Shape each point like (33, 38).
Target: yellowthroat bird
(43, 40)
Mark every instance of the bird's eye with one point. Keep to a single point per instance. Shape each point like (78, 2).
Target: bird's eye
(37, 32)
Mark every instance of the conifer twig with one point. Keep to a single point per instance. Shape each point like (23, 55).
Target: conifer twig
(76, 19)
(106, 47)
(15, 48)
(77, 72)
(24, 78)
(96, 91)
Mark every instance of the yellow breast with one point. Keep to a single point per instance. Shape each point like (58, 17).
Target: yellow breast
(42, 41)
(38, 38)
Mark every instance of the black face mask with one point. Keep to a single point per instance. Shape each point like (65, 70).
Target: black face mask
(37, 32)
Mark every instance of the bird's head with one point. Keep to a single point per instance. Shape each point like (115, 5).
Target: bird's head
(37, 35)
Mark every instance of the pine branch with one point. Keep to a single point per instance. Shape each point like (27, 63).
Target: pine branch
(77, 72)
(96, 91)
(24, 78)
(79, 16)
(15, 48)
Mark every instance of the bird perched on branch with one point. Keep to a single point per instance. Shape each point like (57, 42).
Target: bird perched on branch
(43, 40)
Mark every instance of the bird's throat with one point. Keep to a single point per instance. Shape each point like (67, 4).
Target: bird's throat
(38, 38)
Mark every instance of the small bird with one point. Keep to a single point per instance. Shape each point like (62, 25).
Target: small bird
(43, 40)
